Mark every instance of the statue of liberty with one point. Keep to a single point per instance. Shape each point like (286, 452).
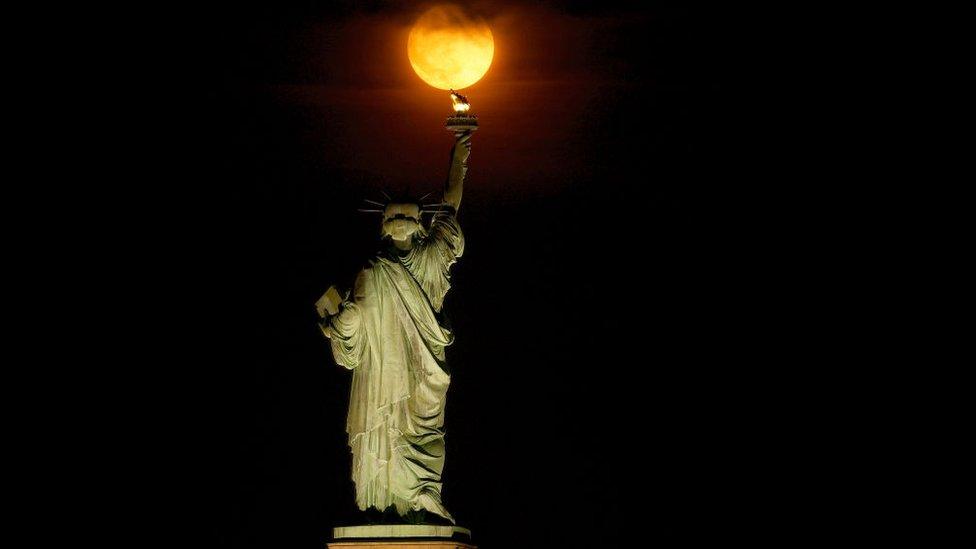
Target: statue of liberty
(389, 331)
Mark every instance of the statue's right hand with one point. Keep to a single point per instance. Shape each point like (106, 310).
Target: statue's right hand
(462, 151)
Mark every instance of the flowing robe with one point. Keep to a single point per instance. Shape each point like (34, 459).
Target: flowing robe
(392, 338)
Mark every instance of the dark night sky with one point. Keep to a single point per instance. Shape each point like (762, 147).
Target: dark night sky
(614, 401)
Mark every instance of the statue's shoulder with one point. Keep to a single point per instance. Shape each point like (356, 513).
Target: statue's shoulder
(367, 269)
(365, 278)
(372, 264)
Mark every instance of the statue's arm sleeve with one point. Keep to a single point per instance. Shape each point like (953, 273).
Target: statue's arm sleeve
(347, 329)
(458, 170)
(446, 241)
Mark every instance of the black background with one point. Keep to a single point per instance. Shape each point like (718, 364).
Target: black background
(603, 383)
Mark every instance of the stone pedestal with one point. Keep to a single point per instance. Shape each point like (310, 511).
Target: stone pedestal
(401, 536)
(397, 544)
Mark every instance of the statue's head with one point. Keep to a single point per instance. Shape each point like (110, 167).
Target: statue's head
(401, 221)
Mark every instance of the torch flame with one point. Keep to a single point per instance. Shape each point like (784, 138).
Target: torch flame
(459, 102)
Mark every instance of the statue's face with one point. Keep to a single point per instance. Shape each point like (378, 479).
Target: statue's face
(400, 221)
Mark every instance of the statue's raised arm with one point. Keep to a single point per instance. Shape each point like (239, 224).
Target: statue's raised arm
(458, 170)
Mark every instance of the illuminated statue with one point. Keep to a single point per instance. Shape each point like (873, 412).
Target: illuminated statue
(389, 332)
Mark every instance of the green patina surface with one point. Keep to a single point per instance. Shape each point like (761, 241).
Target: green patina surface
(391, 333)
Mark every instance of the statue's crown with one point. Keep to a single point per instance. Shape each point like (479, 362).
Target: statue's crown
(403, 208)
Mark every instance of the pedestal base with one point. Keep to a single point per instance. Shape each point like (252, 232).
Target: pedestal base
(374, 531)
(392, 544)
(401, 536)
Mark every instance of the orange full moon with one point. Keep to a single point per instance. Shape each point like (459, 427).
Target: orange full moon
(449, 50)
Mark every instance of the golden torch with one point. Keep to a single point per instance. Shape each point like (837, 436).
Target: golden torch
(462, 120)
